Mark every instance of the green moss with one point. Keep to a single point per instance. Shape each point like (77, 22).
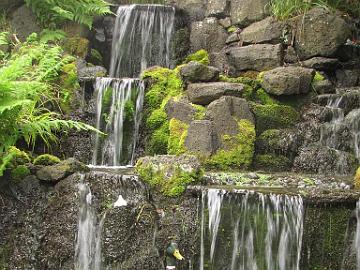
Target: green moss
(200, 112)
(200, 56)
(19, 173)
(173, 185)
(357, 179)
(107, 99)
(318, 77)
(158, 141)
(156, 119)
(264, 98)
(69, 84)
(95, 57)
(46, 160)
(244, 80)
(231, 29)
(240, 149)
(177, 137)
(260, 77)
(129, 110)
(77, 46)
(274, 116)
(271, 162)
(18, 157)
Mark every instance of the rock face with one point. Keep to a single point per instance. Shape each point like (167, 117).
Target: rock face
(218, 8)
(321, 63)
(195, 9)
(255, 57)
(91, 72)
(180, 110)
(9, 4)
(244, 12)
(207, 34)
(310, 38)
(268, 30)
(225, 112)
(288, 80)
(202, 138)
(24, 23)
(197, 72)
(204, 93)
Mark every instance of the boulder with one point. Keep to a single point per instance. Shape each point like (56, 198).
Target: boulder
(311, 39)
(348, 77)
(225, 114)
(91, 72)
(321, 63)
(245, 12)
(323, 87)
(202, 138)
(255, 57)
(181, 110)
(204, 93)
(268, 30)
(290, 55)
(60, 171)
(218, 8)
(197, 72)
(207, 34)
(288, 80)
(195, 9)
(23, 22)
(10, 4)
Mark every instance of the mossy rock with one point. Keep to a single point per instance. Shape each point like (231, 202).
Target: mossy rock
(95, 57)
(357, 179)
(274, 116)
(18, 157)
(19, 173)
(177, 137)
(77, 46)
(158, 141)
(46, 160)
(272, 163)
(69, 84)
(200, 56)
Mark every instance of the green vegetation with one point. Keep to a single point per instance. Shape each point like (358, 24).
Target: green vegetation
(200, 56)
(357, 179)
(271, 162)
(76, 46)
(240, 149)
(177, 137)
(54, 13)
(19, 173)
(318, 77)
(46, 160)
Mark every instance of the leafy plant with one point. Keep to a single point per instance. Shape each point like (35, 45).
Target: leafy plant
(56, 12)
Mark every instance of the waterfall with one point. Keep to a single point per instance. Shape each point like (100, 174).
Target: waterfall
(141, 39)
(88, 244)
(357, 235)
(251, 231)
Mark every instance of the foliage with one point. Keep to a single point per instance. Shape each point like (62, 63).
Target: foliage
(46, 160)
(200, 56)
(19, 173)
(239, 149)
(56, 12)
(272, 162)
(48, 35)
(177, 136)
(76, 46)
(318, 77)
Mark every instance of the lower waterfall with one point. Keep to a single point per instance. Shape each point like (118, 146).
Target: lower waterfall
(250, 231)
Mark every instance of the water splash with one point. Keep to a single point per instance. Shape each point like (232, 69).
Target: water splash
(115, 112)
(141, 39)
(257, 231)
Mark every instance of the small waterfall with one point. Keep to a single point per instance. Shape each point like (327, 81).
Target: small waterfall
(117, 116)
(251, 231)
(88, 245)
(141, 39)
(357, 235)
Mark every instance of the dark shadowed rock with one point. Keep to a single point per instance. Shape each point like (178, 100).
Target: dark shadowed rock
(244, 12)
(290, 55)
(225, 112)
(195, 9)
(197, 72)
(324, 87)
(255, 57)
(218, 8)
(321, 63)
(288, 80)
(180, 110)
(202, 138)
(204, 93)
(268, 30)
(23, 22)
(311, 39)
(348, 77)
(9, 4)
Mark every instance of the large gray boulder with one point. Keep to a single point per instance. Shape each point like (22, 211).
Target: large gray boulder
(181, 110)
(225, 113)
(202, 138)
(321, 63)
(268, 30)
(197, 72)
(218, 8)
(23, 22)
(207, 34)
(288, 80)
(195, 9)
(255, 57)
(320, 33)
(245, 12)
(204, 93)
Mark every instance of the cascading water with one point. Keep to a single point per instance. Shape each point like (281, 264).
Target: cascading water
(141, 39)
(251, 231)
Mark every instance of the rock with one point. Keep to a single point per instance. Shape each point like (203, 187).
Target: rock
(244, 12)
(207, 34)
(91, 72)
(202, 138)
(321, 63)
(288, 80)
(204, 93)
(195, 9)
(226, 23)
(252, 175)
(7, 5)
(197, 72)
(268, 30)
(290, 55)
(255, 57)
(23, 22)
(272, 163)
(225, 114)
(323, 87)
(348, 77)
(61, 170)
(310, 39)
(218, 8)
(180, 110)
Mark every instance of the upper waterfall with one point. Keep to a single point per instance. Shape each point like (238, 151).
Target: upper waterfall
(141, 39)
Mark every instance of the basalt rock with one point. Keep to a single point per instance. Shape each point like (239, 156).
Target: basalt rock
(245, 12)
(24, 22)
(321, 63)
(197, 72)
(324, 87)
(180, 110)
(218, 8)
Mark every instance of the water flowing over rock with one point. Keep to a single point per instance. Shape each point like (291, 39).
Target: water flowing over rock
(141, 39)
(119, 104)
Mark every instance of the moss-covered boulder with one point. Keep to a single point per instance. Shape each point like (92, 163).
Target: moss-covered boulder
(18, 157)
(197, 72)
(76, 45)
(178, 133)
(19, 173)
(274, 116)
(46, 160)
(200, 56)
(272, 162)
(169, 174)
